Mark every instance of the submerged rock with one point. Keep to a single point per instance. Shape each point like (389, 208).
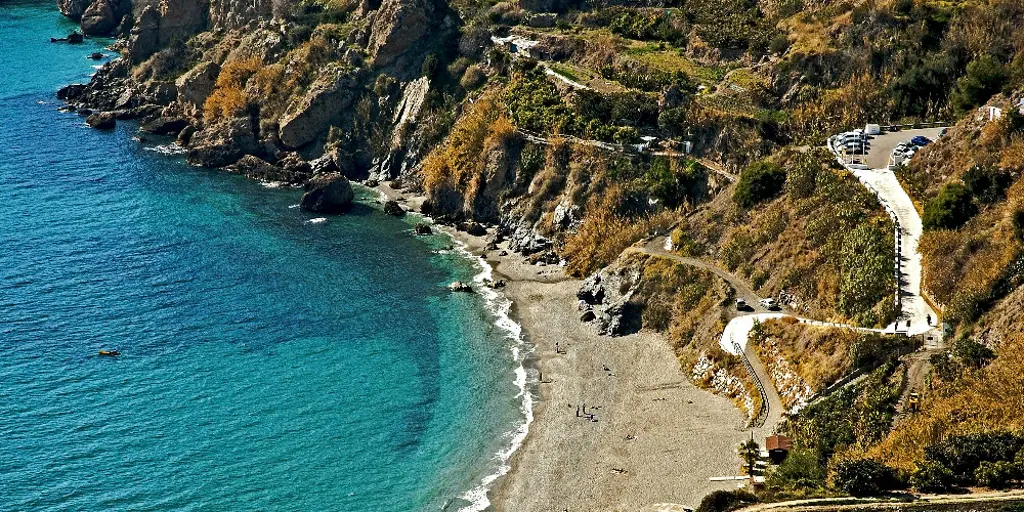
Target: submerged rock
(258, 169)
(330, 193)
(423, 229)
(459, 286)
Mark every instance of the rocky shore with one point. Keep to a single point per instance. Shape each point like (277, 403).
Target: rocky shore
(620, 424)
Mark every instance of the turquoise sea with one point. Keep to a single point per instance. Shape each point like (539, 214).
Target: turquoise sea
(268, 362)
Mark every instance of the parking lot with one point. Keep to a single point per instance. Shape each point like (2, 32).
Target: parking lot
(881, 146)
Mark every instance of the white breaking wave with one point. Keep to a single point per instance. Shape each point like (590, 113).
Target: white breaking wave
(317, 220)
(499, 305)
(167, 149)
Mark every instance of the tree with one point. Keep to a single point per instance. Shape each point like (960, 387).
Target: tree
(760, 181)
(985, 77)
(750, 451)
(950, 209)
(865, 477)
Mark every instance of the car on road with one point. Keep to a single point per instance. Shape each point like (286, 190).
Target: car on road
(769, 304)
(921, 140)
(741, 305)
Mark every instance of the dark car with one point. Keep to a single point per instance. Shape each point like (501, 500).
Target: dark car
(921, 140)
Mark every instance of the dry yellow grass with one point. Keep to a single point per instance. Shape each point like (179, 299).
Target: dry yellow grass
(229, 98)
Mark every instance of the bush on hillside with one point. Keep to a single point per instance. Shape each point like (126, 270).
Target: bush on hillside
(866, 273)
(865, 477)
(229, 98)
(724, 501)
(1017, 218)
(985, 77)
(996, 475)
(965, 354)
(964, 454)
(987, 184)
(931, 476)
(759, 182)
(950, 209)
(800, 470)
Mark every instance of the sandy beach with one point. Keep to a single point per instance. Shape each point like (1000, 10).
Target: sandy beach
(657, 439)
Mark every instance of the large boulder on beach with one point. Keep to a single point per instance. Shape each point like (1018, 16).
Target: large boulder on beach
(329, 193)
(99, 19)
(393, 208)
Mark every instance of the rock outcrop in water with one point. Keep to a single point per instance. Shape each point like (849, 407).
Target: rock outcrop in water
(330, 194)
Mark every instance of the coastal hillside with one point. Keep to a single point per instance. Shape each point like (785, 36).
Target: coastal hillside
(671, 156)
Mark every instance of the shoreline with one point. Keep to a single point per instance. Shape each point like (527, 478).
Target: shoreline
(657, 439)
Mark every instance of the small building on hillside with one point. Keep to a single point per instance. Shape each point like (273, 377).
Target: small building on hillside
(778, 448)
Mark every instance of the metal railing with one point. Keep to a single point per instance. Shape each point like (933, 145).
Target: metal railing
(762, 414)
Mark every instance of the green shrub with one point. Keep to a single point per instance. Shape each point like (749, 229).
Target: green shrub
(965, 354)
(963, 454)
(865, 477)
(950, 209)
(987, 184)
(760, 181)
(800, 470)
(723, 501)
(985, 77)
(931, 476)
(996, 475)
(866, 270)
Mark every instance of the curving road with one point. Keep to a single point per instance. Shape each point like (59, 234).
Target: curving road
(736, 335)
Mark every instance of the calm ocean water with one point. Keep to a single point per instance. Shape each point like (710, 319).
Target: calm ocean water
(269, 362)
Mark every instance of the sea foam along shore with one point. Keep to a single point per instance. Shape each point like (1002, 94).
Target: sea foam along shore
(499, 305)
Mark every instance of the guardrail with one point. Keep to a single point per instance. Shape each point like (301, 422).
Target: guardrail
(762, 414)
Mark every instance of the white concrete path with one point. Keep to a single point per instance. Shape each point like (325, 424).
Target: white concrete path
(914, 309)
(738, 329)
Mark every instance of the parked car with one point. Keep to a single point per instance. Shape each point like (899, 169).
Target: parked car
(921, 140)
(769, 304)
(741, 305)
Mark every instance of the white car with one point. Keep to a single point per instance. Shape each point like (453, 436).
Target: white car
(769, 304)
